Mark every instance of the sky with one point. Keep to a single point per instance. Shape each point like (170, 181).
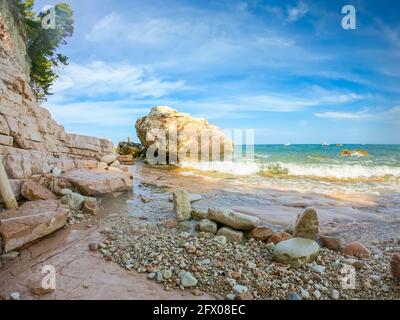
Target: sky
(286, 69)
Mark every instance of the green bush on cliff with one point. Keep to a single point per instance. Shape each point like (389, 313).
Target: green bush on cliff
(42, 43)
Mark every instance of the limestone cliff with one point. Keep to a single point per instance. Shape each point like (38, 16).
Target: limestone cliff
(31, 142)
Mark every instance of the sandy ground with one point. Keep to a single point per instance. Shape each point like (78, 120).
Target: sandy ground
(80, 273)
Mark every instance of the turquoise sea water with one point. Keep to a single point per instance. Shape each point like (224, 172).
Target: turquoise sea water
(312, 167)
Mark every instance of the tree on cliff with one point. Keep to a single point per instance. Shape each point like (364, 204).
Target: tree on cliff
(42, 43)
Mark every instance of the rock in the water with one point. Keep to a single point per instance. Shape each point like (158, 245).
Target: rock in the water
(330, 243)
(182, 205)
(278, 237)
(33, 220)
(187, 279)
(189, 131)
(130, 149)
(235, 220)
(296, 252)
(34, 191)
(193, 198)
(206, 225)
(307, 225)
(356, 249)
(97, 182)
(109, 158)
(199, 215)
(74, 200)
(261, 233)
(231, 235)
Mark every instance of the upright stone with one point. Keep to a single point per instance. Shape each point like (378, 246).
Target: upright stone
(182, 205)
(307, 225)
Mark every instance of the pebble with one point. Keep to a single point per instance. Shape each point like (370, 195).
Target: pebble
(15, 296)
(93, 246)
(335, 294)
(305, 294)
(385, 288)
(237, 288)
(375, 278)
(294, 296)
(160, 277)
(230, 296)
(187, 279)
(319, 269)
(151, 276)
(317, 294)
(167, 274)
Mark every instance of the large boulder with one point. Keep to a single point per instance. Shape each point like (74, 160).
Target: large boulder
(307, 225)
(163, 122)
(182, 206)
(296, 252)
(233, 219)
(33, 191)
(97, 182)
(33, 220)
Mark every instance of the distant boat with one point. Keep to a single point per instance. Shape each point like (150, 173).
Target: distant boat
(325, 144)
(287, 144)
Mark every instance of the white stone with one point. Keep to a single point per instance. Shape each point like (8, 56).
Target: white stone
(296, 252)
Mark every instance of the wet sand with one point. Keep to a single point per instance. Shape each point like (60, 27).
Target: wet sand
(350, 216)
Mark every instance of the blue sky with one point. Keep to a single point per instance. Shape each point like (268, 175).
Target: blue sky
(284, 68)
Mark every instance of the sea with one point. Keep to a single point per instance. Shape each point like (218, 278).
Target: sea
(325, 168)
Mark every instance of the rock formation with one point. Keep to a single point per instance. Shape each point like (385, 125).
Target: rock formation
(174, 136)
(307, 225)
(31, 142)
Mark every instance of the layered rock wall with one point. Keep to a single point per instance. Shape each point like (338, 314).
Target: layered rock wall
(31, 142)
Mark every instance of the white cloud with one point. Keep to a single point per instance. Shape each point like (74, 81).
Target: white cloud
(99, 78)
(344, 115)
(297, 12)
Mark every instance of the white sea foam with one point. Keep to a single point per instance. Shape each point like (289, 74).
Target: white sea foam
(345, 171)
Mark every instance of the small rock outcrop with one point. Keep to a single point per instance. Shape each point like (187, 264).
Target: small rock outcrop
(33, 220)
(296, 252)
(97, 182)
(33, 191)
(307, 225)
(233, 219)
(156, 127)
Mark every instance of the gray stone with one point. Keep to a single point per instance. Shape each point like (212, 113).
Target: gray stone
(206, 225)
(187, 279)
(220, 239)
(74, 200)
(238, 288)
(182, 205)
(296, 252)
(56, 171)
(167, 274)
(335, 294)
(15, 296)
(231, 235)
(294, 296)
(233, 219)
(318, 269)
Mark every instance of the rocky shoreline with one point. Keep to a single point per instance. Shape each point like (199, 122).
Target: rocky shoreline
(244, 270)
